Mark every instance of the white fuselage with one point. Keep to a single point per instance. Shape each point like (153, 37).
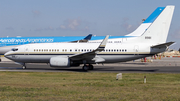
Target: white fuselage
(115, 51)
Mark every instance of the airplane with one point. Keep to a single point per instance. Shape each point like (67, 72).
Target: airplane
(6, 44)
(151, 42)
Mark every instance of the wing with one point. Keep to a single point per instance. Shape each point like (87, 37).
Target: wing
(92, 54)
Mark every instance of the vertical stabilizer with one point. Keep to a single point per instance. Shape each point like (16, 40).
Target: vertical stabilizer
(158, 31)
(142, 28)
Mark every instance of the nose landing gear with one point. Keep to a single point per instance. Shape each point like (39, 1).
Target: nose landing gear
(24, 67)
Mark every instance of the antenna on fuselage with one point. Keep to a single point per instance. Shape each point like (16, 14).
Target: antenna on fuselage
(143, 20)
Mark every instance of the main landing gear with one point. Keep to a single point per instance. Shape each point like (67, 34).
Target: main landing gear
(88, 67)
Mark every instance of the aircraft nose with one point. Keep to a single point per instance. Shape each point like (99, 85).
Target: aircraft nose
(7, 55)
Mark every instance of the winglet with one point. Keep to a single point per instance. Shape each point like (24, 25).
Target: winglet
(91, 54)
(103, 44)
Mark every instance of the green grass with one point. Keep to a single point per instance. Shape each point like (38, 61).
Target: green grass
(21, 86)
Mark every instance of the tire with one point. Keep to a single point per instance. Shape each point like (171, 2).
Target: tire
(91, 67)
(85, 68)
(24, 67)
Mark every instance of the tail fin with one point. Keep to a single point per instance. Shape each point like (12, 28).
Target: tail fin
(143, 27)
(158, 31)
(86, 39)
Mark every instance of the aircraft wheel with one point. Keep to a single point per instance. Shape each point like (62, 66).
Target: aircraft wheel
(0, 59)
(24, 67)
(91, 67)
(85, 67)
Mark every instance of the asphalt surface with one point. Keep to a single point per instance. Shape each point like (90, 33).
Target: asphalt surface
(164, 65)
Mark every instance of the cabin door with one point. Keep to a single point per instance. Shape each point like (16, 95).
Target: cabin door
(26, 50)
(136, 50)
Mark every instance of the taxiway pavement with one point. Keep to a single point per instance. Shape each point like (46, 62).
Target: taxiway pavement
(164, 65)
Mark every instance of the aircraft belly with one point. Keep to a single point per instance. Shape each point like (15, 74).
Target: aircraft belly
(121, 58)
(31, 58)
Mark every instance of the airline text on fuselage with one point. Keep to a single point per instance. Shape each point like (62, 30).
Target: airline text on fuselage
(26, 40)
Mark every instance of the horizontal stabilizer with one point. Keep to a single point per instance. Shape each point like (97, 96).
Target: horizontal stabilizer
(162, 45)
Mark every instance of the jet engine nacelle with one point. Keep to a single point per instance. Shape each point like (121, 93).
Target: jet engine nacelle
(60, 61)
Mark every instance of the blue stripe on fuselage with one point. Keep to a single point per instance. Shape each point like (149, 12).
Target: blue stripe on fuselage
(26, 40)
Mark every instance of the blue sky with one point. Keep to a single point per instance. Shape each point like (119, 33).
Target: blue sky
(81, 17)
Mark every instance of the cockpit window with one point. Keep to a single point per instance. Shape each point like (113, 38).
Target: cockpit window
(15, 49)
